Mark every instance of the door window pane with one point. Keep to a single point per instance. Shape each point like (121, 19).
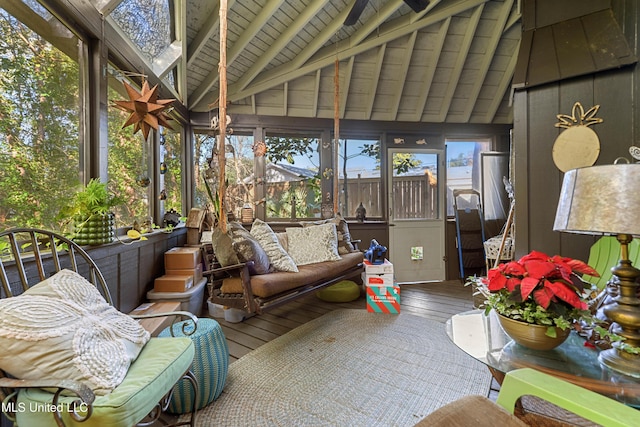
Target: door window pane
(415, 186)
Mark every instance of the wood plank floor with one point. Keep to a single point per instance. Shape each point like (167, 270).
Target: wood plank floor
(437, 301)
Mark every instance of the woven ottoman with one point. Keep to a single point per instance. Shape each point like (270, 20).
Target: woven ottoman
(210, 365)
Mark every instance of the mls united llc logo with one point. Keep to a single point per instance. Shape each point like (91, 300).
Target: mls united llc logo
(18, 407)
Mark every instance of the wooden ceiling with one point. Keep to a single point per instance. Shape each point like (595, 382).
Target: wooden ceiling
(451, 63)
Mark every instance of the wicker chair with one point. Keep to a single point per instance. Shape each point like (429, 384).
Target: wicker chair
(592, 408)
(30, 256)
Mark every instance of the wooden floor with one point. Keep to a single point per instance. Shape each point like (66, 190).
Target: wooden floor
(437, 301)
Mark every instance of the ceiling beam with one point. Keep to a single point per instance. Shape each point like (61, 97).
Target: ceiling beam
(344, 92)
(236, 49)
(168, 59)
(503, 87)
(276, 47)
(285, 98)
(430, 69)
(375, 80)
(105, 7)
(316, 94)
(454, 77)
(489, 54)
(401, 26)
(180, 16)
(402, 76)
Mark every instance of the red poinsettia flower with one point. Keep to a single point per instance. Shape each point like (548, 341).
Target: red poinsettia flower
(542, 278)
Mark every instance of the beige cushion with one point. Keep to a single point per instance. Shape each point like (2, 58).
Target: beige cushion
(279, 258)
(248, 249)
(308, 245)
(63, 328)
(344, 236)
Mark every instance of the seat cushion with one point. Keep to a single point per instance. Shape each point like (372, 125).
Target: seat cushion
(267, 285)
(161, 363)
(476, 411)
(343, 291)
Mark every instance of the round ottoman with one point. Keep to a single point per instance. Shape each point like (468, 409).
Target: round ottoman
(210, 365)
(343, 291)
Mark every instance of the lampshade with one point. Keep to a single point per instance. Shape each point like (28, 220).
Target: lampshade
(600, 200)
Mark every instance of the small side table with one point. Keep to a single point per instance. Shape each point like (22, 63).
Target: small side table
(210, 365)
(482, 338)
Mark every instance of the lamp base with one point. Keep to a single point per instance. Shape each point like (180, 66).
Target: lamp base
(620, 361)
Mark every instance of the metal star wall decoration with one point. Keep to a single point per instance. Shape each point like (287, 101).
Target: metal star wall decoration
(147, 111)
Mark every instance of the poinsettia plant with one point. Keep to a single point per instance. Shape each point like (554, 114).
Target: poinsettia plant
(539, 289)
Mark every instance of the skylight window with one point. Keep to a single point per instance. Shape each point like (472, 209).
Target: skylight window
(147, 23)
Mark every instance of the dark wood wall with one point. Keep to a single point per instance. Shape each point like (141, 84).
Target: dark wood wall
(131, 269)
(537, 180)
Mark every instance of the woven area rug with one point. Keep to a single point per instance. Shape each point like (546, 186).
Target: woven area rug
(348, 368)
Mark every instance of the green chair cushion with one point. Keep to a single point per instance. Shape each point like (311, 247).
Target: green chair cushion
(161, 363)
(343, 291)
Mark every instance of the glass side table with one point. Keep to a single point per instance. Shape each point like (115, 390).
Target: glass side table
(482, 338)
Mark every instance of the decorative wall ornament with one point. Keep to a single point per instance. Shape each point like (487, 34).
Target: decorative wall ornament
(147, 111)
(421, 141)
(398, 140)
(328, 173)
(578, 146)
(635, 153)
(259, 149)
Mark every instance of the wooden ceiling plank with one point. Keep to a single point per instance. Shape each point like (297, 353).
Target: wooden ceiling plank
(503, 87)
(292, 30)
(430, 70)
(326, 56)
(344, 87)
(402, 76)
(375, 80)
(489, 54)
(208, 29)
(460, 60)
(237, 48)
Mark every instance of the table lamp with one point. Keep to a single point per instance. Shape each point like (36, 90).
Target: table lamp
(605, 200)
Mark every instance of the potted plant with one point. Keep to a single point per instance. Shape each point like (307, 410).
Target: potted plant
(537, 290)
(90, 213)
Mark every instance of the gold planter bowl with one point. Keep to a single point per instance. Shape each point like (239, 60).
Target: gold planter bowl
(532, 336)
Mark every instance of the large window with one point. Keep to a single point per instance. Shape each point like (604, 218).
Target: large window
(239, 175)
(359, 172)
(292, 176)
(40, 116)
(128, 164)
(463, 170)
(171, 169)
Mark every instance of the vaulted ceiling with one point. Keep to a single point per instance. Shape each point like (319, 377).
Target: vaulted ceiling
(453, 62)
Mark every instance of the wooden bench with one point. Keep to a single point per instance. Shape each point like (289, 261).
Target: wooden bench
(234, 287)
